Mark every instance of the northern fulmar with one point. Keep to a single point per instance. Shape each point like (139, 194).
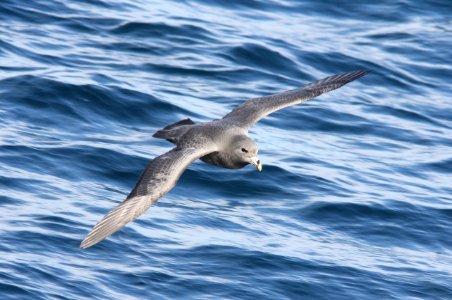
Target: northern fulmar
(223, 143)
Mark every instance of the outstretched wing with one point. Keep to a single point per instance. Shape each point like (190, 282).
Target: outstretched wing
(159, 177)
(255, 109)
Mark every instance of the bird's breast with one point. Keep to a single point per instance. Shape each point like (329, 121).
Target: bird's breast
(220, 159)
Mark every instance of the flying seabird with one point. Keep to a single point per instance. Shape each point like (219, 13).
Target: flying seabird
(224, 143)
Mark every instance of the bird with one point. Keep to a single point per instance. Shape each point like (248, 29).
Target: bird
(222, 142)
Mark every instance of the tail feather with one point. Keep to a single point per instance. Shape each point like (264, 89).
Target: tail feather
(187, 121)
(169, 133)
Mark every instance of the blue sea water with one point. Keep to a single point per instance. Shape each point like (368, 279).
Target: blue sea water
(355, 199)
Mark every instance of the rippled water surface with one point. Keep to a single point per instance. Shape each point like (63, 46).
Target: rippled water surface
(355, 200)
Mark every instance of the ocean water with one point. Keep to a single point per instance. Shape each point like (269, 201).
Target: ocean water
(355, 199)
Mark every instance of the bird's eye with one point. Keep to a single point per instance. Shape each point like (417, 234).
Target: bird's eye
(244, 150)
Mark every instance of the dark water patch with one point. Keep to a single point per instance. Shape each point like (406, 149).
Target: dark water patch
(161, 30)
(80, 105)
(77, 26)
(34, 287)
(100, 23)
(381, 13)
(26, 52)
(302, 119)
(91, 163)
(9, 200)
(332, 62)
(260, 57)
(13, 291)
(392, 35)
(254, 9)
(104, 4)
(102, 79)
(55, 223)
(197, 71)
(273, 271)
(31, 14)
(13, 183)
(136, 47)
(215, 222)
(405, 114)
(401, 225)
(443, 166)
(348, 124)
(243, 183)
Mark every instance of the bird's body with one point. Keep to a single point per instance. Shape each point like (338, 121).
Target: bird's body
(217, 132)
(223, 143)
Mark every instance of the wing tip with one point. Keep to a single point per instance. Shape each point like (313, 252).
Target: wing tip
(361, 72)
(84, 245)
(357, 73)
(338, 80)
(99, 233)
(88, 242)
(112, 222)
(365, 71)
(348, 77)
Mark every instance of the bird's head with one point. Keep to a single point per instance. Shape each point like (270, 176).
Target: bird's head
(244, 151)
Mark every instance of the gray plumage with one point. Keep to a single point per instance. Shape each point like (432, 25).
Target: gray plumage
(224, 143)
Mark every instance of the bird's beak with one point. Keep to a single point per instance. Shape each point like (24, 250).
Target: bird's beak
(255, 161)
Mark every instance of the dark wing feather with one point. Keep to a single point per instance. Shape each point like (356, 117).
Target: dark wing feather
(255, 109)
(159, 177)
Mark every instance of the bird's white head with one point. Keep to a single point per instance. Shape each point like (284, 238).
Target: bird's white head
(244, 151)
